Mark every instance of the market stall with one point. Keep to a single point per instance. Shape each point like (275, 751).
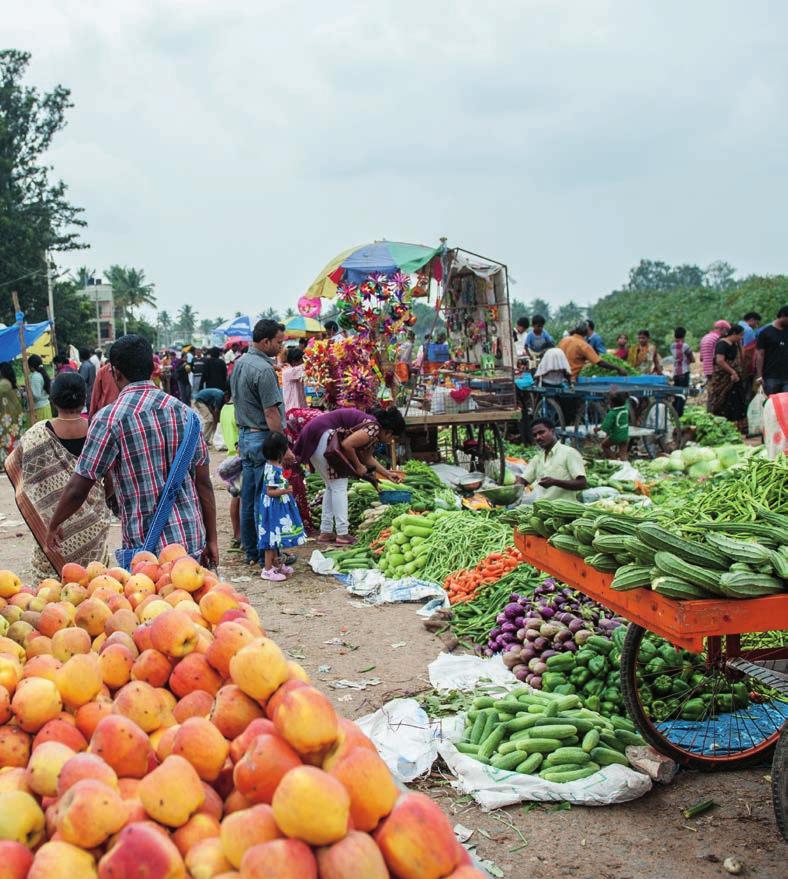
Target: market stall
(466, 384)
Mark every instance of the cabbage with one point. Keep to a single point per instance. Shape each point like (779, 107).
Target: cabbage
(700, 470)
(508, 477)
(708, 454)
(728, 455)
(659, 465)
(675, 462)
(691, 455)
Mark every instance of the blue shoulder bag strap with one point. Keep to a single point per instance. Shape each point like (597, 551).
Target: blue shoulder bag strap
(180, 467)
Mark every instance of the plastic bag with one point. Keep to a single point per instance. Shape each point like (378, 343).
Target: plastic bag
(218, 439)
(755, 414)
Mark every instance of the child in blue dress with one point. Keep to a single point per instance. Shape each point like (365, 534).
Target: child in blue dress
(278, 520)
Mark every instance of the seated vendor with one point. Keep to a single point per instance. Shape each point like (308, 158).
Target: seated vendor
(557, 471)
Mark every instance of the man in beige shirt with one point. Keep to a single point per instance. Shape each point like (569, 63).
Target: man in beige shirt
(557, 471)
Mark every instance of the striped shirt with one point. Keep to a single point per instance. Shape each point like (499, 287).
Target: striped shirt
(707, 345)
(136, 440)
(681, 361)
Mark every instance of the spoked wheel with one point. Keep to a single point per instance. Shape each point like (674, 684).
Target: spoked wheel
(780, 783)
(589, 416)
(662, 418)
(720, 709)
(546, 407)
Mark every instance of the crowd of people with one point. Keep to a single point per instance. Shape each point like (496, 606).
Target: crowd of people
(126, 432)
(737, 359)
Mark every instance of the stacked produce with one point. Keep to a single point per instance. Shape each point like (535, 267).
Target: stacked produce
(699, 462)
(461, 541)
(151, 729)
(464, 584)
(593, 369)
(547, 734)
(709, 430)
(728, 560)
(428, 491)
(405, 553)
(543, 632)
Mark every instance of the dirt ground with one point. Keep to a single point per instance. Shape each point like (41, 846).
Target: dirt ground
(645, 838)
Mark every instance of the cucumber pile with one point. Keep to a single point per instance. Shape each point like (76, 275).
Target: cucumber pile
(406, 549)
(546, 734)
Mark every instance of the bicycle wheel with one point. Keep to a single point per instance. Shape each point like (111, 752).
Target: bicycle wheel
(720, 709)
(662, 418)
(491, 451)
(780, 783)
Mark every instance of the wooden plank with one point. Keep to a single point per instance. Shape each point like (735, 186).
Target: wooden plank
(448, 418)
(683, 623)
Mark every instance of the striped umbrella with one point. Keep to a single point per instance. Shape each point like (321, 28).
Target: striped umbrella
(356, 264)
(299, 327)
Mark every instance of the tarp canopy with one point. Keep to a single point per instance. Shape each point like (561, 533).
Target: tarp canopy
(300, 327)
(9, 339)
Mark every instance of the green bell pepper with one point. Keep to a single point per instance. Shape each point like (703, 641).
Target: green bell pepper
(695, 709)
(598, 666)
(662, 685)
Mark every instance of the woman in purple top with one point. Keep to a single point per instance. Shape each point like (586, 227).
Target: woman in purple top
(359, 432)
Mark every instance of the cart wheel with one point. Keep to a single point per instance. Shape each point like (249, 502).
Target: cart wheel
(780, 783)
(725, 734)
(549, 408)
(460, 434)
(588, 416)
(662, 418)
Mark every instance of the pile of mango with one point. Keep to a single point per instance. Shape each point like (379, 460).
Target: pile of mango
(149, 728)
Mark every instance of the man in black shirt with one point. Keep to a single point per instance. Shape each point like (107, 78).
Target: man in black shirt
(771, 355)
(214, 371)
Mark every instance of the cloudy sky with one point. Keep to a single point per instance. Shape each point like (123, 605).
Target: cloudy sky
(232, 148)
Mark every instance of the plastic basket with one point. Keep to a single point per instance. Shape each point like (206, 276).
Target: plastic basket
(401, 496)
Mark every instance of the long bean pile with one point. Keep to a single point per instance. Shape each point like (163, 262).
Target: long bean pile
(460, 541)
(473, 620)
(736, 495)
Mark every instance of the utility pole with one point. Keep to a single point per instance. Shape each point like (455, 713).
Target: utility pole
(52, 334)
(20, 322)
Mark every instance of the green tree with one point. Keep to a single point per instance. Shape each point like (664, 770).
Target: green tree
(270, 314)
(541, 306)
(75, 315)
(206, 326)
(291, 312)
(186, 322)
(130, 291)
(35, 215)
(720, 275)
(568, 316)
(164, 327)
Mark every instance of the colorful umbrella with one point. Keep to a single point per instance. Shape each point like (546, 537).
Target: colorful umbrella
(299, 326)
(356, 264)
(240, 327)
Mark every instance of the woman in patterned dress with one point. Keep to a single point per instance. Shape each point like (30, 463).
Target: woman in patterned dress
(39, 468)
(12, 416)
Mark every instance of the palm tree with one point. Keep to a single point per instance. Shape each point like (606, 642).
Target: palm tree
(270, 314)
(130, 290)
(207, 325)
(164, 326)
(290, 313)
(82, 275)
(186, 322)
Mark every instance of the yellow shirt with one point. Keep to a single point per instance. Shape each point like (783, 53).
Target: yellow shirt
(561, 462)
(578, 353)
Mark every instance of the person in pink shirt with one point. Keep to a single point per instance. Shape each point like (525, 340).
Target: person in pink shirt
(293, 380)
(708, 343)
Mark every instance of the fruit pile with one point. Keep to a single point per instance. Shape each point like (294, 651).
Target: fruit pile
(149, 728)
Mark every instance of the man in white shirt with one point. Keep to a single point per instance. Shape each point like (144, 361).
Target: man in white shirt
(95, 358)
(519, 336)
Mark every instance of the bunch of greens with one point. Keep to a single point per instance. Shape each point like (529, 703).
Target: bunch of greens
(710, 430)
(594, 369)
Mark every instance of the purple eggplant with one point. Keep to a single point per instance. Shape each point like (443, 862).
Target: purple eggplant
(536, 682)
(541, 644)
(546, 654)
(570, 646)
(531, 635)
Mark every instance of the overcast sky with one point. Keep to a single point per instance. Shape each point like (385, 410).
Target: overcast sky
(231, 147)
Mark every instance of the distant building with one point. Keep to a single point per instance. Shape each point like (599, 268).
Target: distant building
(100, 296)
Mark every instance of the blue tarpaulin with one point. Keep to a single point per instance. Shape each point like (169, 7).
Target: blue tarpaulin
(728, 733)
(9, 339)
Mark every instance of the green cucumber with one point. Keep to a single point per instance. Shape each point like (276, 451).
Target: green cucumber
(555, 774)
(543, 746)
(490, 744)
(590, 740)
(607, 757)
(567, 755)
(507, 761)
(530, 764)
(467, 748)
(629, 738)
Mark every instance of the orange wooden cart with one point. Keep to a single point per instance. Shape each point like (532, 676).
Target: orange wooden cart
(711, 627)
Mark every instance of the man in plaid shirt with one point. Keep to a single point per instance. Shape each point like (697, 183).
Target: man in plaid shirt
(135, 440)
